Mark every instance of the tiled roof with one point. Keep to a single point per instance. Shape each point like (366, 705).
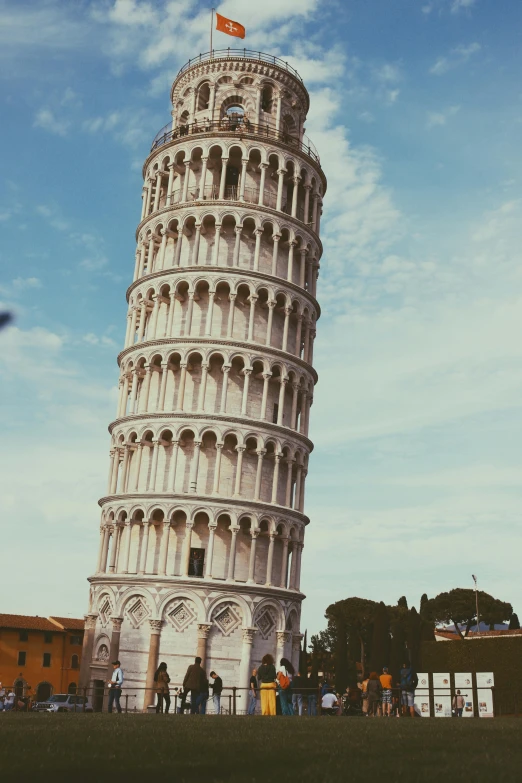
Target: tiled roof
(27, 623)
(452, 635)
(69, 623)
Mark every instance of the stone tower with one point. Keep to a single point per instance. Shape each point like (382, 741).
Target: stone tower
(202, 525)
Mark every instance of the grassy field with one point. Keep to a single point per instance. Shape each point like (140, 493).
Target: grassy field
(215, 750)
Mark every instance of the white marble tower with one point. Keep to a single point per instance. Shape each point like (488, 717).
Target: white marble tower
(202, 525)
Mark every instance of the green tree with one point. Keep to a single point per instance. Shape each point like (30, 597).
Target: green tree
(380, 653)
(458, 606)
(514, 623)
(358, 615)
(402, 602)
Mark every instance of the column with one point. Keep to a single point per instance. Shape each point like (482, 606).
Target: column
(154, 468)
(186, 549)
(239, 467)
(279, 203)
(132, 333)
(158, 191)
(171, 480)
(195, 467)
(284, 563)
(125, 395)
(288, 311)
(252, 562)
(190, 310)
(275, 251)
(149, 195)
(143, 202)
(293, 415)
(215, 252)
(235, 260)
(275, 479)
(101, 552)
(306, 341)
(297, 349)
(164, 549)
(281, 404)
(290, 267)
(258, 233)
(217, 468)
(302, 422)
(288, 492)
(230, 325)
(169, 185)
(263, 167)
(297, 493)
(253, 300)
(202, 178)
(309, 276)
(88, 645)
(116, 466)
(126, 342)
(223, 179)
(163, 386)
(127, 545)
(319, 213)
(302, 493)
(244, 666)
(314, 279)
(244, 162)
(259, 473)
(115, 643)
(270, 560)
(186, 180)
(271, 305)
(266, 381)
(152, 663)
(298, 571)
(232, 560)
(314, 211)
(112, 468)
(296, 180)
(150, 257)
(291, 580)
(143, 320)
(203, 632)
(247, 373)
(210, 551)
(144, 396)
(138, 467)
(302, 268)
(223, 406)
(124, 469)
(278, 111)
(211, 101)
(195, 252)
(307, 188)
(141, 267)
(203, 388)
(170, 318)
(115, 541)
(154, 318)
(282, 638)
(144, 547)
(210, 312)
(163, 247)
(182, 382)
(177, 252)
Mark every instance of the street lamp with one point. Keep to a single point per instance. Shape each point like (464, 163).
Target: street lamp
(476, 603)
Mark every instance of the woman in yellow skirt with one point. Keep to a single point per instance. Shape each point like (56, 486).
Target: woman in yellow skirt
(266, 675)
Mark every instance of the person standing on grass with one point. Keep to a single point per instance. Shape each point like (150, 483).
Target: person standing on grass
(266, 675)
(297, 694)
(374, 694)
(312, 686)
(284, 680)
(252, 693)
(162, 679)
(204, 696)
(458, 704)
(409, 682)
(195, 682)
(217, 688)
(386, 685)
(364, 694)
(115, 684)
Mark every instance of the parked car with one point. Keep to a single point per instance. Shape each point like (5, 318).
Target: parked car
(64, 702)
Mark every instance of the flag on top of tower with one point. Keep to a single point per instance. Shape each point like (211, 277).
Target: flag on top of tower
(229, 27)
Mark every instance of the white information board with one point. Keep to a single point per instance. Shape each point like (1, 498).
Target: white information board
(422, 696)
(485, 682)
(464, 684)
(441, 695)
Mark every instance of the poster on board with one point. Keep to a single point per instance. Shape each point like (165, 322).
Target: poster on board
(464, 684)
(441, 695)
(485, 683)
(422, 696)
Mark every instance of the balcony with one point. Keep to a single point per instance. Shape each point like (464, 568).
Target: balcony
(239, 54)
(239, 126)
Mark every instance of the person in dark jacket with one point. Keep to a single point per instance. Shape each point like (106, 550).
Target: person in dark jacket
(162, 679)
(374, 691)
(195, 681)
(266, 676)
(298, 684)
(217, 687)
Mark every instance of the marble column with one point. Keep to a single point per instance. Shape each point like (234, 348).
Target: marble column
(152, 663)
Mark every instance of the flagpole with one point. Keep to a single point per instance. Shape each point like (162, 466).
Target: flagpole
(211, 28)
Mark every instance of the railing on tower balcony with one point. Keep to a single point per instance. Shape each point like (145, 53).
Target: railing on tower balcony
(231, 193)
(238, 125)
(244, 54)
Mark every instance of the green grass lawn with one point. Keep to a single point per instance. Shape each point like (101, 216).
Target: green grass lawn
(215, 749)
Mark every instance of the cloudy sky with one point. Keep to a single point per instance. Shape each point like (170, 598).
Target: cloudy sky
(417, 113)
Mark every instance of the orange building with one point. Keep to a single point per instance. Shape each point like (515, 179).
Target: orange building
(40, 656)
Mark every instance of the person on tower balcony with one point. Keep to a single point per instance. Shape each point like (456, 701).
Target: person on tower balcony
(195, 682)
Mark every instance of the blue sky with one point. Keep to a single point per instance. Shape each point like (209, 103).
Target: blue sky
(417, 113)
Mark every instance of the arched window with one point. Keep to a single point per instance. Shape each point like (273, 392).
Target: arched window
(267, 99)
(75, 662)
(71, 688)
(203, 96)
(43, 691)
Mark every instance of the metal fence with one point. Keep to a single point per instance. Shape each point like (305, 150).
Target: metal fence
(243, 54)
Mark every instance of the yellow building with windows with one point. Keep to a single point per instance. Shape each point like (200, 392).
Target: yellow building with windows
(39, 655)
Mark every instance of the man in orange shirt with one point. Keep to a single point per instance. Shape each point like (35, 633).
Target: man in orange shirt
(386, 685)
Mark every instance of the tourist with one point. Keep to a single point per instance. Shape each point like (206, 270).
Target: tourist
(312, 687)
(298, 684)
(284, 680)
(374, 694)
(266, 675)
(408, 683)
(9, 701)
(458, 704)
(162, 679)
(324, 688)
(204, 696)
(195, 682)
(217, 687)
(364, 693)
(115, 684)
(329, 703)
(252, 693)
(386, 685)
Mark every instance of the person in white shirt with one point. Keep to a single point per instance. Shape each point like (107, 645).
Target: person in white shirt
(115, 684)
(329, 704)
(9, 701)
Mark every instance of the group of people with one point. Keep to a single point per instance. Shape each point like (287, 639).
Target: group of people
(378, 697)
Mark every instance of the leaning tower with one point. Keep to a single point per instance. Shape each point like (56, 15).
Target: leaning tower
(203, 524)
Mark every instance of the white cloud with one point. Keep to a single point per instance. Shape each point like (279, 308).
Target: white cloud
(26, 282)
(366, 116)
(459, 5)
(457, 56)
(93, 264)
(46, 119)
(437, 118)
(93, 339)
